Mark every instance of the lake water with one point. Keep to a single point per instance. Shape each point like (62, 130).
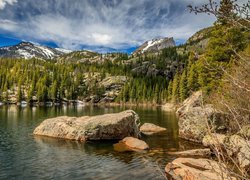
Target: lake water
(23, 156)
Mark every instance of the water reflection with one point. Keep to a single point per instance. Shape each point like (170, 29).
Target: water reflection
(24, 156)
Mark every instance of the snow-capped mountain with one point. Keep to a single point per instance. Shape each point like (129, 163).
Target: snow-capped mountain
(155, 45)
(28, 50)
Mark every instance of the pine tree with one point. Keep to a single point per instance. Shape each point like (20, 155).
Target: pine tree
(225, 11)
(175, 88)
(170, 87)
(192, 79)
(19, 93)
(183, 86)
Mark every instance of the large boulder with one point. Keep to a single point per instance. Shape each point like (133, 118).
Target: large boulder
(149, 128)
(196, 169)
(102, 127)
(131, 144)
(239, 147)
(195, 118)
(235, 146)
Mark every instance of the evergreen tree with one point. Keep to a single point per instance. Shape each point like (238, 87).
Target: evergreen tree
(175, 88)
(170, 87)
(226, 11)
(192, 79)
(20, 93)
(183, 86)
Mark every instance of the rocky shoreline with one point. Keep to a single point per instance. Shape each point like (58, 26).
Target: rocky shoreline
(202, 123)
(197, 122)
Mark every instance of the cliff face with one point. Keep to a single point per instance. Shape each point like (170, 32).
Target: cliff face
(155, 45)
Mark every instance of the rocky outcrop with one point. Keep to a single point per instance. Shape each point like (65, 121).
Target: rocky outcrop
(195, 119)
(110, 87)
(149, 128)
(192, 153)
(196, 169)
(102, 127)
(131, 144)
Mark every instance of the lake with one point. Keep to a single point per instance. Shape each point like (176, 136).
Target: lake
(23, 156)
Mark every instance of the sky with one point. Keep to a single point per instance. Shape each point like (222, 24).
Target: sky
(98, 25)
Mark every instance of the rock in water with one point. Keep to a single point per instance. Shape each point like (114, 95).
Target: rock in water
(193, 153)
(130, 144)
(194, 118)
(102, 127)
(169, 107)
(149, 128)
(196, 169)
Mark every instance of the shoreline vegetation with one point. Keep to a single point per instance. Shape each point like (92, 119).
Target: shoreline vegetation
(81, 103)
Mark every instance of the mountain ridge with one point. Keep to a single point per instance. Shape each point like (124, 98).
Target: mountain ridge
(28, 50)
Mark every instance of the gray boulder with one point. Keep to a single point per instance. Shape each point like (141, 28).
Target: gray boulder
(195, 118)
(102, 127)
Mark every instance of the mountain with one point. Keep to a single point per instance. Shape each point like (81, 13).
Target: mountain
(155, 45)
(28, 50)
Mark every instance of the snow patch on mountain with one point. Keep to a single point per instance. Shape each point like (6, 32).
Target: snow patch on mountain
(48, 53)
(29, 50)
(155, 45)
(152, 43)
(25, 54)
(66, 51)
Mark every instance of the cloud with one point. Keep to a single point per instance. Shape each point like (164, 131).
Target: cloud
(3, 3)
(117, 24)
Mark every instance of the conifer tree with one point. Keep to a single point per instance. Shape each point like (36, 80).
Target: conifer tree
(175, 88)
(170, 87)
(183, 86)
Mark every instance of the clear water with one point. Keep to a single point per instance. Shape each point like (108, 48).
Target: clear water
(23, 156)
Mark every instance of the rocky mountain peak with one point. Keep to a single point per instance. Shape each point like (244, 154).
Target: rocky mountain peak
(29, 50)
(155, 45)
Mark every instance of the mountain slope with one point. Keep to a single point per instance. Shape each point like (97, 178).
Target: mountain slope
(28, 50)
(155, 45)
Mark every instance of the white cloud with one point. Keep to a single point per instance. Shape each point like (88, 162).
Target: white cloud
(115, 23)
(101, 38)
(3, 3)
(8, 25)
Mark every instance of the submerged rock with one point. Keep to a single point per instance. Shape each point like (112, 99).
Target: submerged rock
(149, 128)
(194, 118)
(196, 169)
(193, 153)
(131, 144)
(169, 107)
(102, 127)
